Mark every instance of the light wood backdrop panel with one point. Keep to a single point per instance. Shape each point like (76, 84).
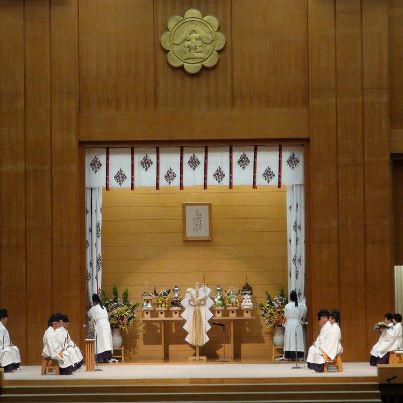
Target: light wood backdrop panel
(270, 53)
(161, 251)
(116, 54)
(176, 89)
(142, 250)
(38, 172)
(12, 173)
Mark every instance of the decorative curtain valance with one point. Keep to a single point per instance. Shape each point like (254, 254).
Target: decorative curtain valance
(253, 165)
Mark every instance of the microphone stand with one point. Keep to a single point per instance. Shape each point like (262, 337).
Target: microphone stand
(296, 366)
(95, 352)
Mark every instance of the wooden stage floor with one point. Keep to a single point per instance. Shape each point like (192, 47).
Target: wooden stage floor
(195, 372)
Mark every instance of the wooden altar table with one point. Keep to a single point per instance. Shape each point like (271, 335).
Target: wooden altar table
(224, 320)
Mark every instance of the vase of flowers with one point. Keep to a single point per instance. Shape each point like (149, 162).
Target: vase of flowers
(272, 313)
(278, 336)
(117, 339)
(122, 314)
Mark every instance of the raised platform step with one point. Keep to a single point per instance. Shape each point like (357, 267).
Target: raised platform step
(296, 392)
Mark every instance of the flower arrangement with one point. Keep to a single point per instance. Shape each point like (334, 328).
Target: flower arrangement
(272, 310)
(122, 313)
(382, 326)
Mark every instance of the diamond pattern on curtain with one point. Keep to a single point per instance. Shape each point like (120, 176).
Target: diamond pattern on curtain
(93, 213)
(296, 239)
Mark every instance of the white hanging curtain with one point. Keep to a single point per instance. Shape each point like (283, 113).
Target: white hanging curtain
(296, 239)
(93, 210)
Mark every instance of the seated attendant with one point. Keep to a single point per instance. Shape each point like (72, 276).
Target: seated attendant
(68, 344)
(53, 348)
(334, 319)
(397, 321)
(386, 343)
(9, 354)
(326, 346)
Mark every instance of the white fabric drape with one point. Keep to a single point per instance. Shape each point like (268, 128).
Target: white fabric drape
(270, 165)
(93, 210)
(296, 239)
(95, 172)
(398, 288)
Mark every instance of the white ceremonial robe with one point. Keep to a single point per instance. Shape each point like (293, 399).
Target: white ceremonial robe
(103, 333)
(53, 348)
(334, 347)
(323, 342)
(293, 335)
(200, 297)
(68, 344)
(7, 349)
(387, 342)
(399, 336)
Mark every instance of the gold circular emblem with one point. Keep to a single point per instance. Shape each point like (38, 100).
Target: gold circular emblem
(192, 41)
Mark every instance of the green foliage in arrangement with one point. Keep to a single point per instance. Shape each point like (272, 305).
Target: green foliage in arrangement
(122, 313)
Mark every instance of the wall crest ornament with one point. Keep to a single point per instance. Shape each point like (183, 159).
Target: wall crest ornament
(192, 41)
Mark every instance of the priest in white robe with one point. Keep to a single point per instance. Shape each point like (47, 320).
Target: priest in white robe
(386, 343)
(103, 334)
(197, 304)
(326, 346)
(54, 349)
(68, 344)
(397, 321)
(294, 312)
(10, 358)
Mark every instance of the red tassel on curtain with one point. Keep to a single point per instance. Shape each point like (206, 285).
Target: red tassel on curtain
(107, 168)
(280, 156)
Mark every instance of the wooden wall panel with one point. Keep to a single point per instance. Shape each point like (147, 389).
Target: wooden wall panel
(38, 172)
(270, 53)
(67, 274)
(322, 200)
(174, 88)
(395, 14)
(12, 170)
(143, 247)
(168, 125)
(116, 54)
(398, 212)
(350, 176)
(378, 192)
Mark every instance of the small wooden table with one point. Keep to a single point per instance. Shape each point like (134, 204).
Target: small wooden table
(119, 354)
